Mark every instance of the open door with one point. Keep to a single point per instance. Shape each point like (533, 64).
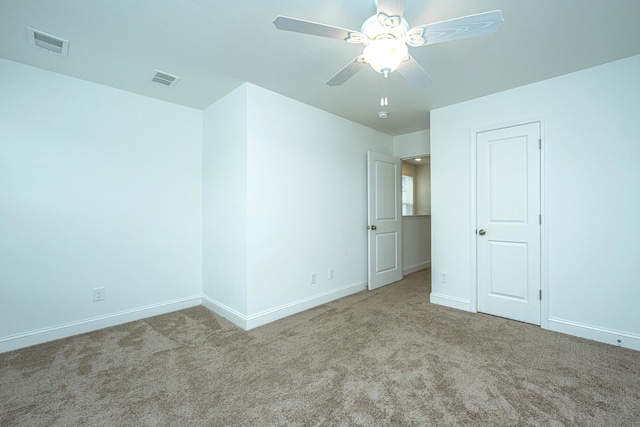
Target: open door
(384, 218)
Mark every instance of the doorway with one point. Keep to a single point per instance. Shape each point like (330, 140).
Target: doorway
(399, 227)
(416, 213)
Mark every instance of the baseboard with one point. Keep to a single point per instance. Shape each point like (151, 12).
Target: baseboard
(283, 311)
(449, 301)
(267, 316)
(228, 313)
(39, 336)
(595, 333)
(415, 268)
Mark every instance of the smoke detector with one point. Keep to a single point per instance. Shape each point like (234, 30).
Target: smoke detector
(42, 40)
(383, 114)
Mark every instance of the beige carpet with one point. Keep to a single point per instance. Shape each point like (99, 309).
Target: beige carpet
(386, 357)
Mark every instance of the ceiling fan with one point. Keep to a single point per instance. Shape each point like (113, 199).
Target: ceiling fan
(386, 37)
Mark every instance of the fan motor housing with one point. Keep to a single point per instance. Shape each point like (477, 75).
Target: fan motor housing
(384, 27)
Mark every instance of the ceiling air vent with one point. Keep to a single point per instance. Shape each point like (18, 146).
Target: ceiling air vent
(48, 42)
(164, 78)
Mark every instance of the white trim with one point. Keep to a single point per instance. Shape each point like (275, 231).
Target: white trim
(228, 313)
(595, 333)
(473, 247)
(451, 302)
(39, 336)
(416, 267)
(285, 310)
(544, 232)
(276, 313)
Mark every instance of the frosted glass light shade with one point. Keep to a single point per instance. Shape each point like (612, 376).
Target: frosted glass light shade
(385, 54)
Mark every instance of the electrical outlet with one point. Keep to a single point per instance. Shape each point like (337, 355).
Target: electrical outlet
(444, 277)
(98, 294)
(331, 274)
(312, 279)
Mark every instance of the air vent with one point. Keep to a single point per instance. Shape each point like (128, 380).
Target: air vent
(163, 78)
(48, 42)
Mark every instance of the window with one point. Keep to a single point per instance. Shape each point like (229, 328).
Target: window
(407, 195)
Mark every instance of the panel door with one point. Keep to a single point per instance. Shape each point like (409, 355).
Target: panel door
(508, 222)
(384, 219)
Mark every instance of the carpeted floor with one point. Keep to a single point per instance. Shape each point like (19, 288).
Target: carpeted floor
(386, 357)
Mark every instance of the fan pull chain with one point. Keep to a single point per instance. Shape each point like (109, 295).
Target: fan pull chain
(384, 101)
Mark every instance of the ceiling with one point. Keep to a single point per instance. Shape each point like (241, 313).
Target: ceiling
(215, 46)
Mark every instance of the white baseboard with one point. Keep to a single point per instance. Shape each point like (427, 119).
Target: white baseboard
(267, 316)
(39, 336)
(228, 313)
(415, 268)
(595, 333)
(449, 301)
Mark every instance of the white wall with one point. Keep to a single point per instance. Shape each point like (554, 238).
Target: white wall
(225, 204)
(307, 200)
(412, 144)
(416, 243)
(305, 204)
(591, 203)
(98, 188)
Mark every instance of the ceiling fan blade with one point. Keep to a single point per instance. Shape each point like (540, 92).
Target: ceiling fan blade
(307, 27)
(347, 72)
(480, 24)
(414, 73)
(391, 7)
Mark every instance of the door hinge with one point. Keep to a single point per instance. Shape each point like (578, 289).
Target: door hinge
(540, 144)
(540, 294)
(540, 219)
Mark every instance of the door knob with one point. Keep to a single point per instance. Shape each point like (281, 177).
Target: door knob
(372, 227)
(482, 232)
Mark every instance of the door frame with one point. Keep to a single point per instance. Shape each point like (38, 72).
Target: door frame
(544, 231)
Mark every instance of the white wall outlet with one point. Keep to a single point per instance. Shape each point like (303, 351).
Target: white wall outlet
(444, 277)
(331, 274)
(98, 294)
(312, 279)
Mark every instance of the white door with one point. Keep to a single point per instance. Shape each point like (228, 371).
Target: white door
(385, 219)
(508, 222)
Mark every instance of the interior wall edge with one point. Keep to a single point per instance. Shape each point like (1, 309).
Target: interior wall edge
(277, 313)
(248, 322)
(233, 316)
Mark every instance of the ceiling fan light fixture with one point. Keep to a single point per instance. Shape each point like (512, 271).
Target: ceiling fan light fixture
(385, 55)
(387, 35)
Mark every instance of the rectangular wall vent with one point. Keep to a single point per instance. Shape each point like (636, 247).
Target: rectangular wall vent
(48, 42)
(163, 78)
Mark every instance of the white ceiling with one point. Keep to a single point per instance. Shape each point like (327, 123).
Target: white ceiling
(215, 46)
